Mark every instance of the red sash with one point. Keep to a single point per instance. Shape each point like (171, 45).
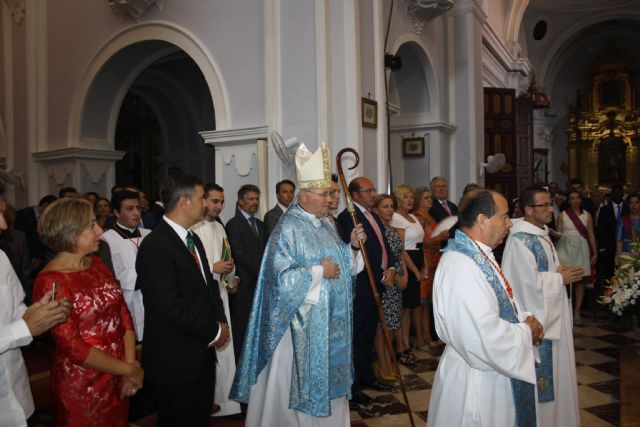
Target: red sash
(584, 233)
(626, 224)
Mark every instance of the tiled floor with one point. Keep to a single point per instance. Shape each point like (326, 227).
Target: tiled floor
(597, 353)
(597, 367)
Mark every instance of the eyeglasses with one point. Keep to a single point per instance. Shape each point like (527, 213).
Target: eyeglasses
(542, 205)
(368, 190)
(326, 194)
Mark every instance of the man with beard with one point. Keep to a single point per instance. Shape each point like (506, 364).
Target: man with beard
(247, 238)
(214, 240)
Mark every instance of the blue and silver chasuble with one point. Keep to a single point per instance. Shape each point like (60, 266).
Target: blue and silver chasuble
(321, 332)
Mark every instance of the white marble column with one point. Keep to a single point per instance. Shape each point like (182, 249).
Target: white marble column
(464, 47)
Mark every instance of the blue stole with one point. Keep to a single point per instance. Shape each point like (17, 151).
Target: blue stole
(544, 369)
(523, 392)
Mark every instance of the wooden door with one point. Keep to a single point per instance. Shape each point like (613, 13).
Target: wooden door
(508, 129)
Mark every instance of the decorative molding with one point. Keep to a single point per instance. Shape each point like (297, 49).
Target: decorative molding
(500, 68)
(465, 7)
(133, 9)
(95, 169)
(234, 136)
(71, 166)
(417, 123)
(17, 10)
(422, 11)
(59, 173)
(241, 156)
(238, 146)
(74, 153)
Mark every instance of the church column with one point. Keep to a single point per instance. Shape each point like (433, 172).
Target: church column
(36, 85)
(464, 66)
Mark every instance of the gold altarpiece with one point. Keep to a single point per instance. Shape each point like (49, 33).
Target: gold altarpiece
(604, 131)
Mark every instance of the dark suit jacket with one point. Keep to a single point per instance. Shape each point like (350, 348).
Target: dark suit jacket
(438, 213)
(246, 249)
(182, 310)
(272, 217)
(157, 211)
(606, 228)
(26, 222)
(374, 251)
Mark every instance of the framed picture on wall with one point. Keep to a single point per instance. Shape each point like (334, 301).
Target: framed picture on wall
(369, 113)
(412, 147)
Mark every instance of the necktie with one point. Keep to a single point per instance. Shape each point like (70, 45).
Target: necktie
(192, 248)
(376, 229)
(445, 205)
(254, 226)
(618, 212)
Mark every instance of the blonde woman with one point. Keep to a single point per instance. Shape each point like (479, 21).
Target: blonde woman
(412, 234)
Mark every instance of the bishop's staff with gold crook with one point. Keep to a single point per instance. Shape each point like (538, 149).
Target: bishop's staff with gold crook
(367, 265)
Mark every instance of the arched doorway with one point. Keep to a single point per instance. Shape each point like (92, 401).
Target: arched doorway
(158, 124)
(153, 85)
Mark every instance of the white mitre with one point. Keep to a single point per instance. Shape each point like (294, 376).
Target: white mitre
(313, 170)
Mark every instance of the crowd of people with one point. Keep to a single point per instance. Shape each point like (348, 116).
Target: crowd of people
(162, 308)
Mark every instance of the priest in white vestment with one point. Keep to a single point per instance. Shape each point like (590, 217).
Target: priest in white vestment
(295, 368)
(486, 375)
(531, 265)
(213, 236)
(123, 239)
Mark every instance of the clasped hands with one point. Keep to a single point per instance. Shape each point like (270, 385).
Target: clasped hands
(570, 274)
(130, 384)
(537, 330)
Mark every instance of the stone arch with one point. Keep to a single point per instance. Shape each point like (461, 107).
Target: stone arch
(428, 81)
(145, 43)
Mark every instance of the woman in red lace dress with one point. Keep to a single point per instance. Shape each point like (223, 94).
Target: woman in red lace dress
(94, 368)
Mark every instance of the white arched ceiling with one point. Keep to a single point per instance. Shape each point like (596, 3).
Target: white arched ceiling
(572, 36)
(514, 15)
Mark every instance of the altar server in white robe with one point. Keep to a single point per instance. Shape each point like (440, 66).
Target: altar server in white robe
(212, 235)
(123, 239)
(531, 265)
(486, 375)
